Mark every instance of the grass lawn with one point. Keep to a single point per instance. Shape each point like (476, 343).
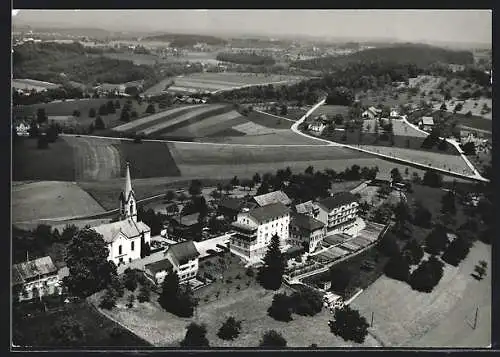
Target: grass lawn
(35, 331)
(147, 159)
(400, 141)
(268, 120)
(33, 201)
(267, 137)
(441, 318)
(249, 304)
(30, 163)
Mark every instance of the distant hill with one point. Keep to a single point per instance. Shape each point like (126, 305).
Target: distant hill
(186, 40)
(419, 55)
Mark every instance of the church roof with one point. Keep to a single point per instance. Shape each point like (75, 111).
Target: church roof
(129, 228)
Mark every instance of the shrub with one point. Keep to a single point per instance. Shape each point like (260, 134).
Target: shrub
(249, 272)
(306, 302)
(230, 329)
(131, 300)
(427, 275)
(272, 339)
(280, 309)
(349, 325)
(144, 294)
(398, 268)
(108, 300)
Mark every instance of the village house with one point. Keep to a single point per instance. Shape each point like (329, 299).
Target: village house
(184, 226)
(394, 113)
(426, 123)
(371, 113)
(308, 208)
(272, 197)
(338, 212)
(124, 236)
(36, 278)
(254, 229)
(22, 128)
(317, 126)
(306, 232)
(229, 207)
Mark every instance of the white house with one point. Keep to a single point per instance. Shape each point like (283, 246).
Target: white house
(394, 113)
(371, 113)
(124, 236)
(317, 126)
(338, 212)
(254, 229)
(35, 278)
(306, 231)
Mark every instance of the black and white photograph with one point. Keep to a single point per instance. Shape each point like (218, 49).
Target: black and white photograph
(199, 179)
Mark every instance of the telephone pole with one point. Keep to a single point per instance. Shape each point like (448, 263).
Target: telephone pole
(371, 323)
(475, 317)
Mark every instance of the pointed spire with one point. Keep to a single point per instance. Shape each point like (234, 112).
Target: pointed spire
(128, 183)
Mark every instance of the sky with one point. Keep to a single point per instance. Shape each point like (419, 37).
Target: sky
(405, 25)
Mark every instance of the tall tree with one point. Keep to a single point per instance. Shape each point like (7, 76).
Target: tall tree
(170, 289)
(281, 309)
(349, 324)
(456, 251)
(87, 260)
(271, 273)
(448, 203)
(437, 240)
(195, 336)
(398, 268)
(413, 252)
(41, 116)
(230, 329)
(340, 278)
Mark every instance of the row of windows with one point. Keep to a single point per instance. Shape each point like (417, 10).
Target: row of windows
(187, 275)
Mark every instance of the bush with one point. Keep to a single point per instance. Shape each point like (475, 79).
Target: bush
(230, 329)
(92, 113)
(456, 251)
(99, 123)
(306, 302)
(272, 339)
(280, 309)
(144, 294)
(349, 325)
(131, 300)
(195, 336)
(108, 300)
(427, 275)
(398, 268)
(413, 252)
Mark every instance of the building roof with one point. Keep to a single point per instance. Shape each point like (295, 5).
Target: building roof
(129, 228)
(374, 110)
(427, 121)
(305, 207)
(159, 266)
(338, 199)
(188, 220)
(269, 212)
(272, 197)
(306, 222)
(30, 269)
(183, 251)
(232, 203)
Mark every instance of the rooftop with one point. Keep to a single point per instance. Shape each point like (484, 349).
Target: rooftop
(183, 251)
(159, 266)
(128, 228)
(427, 121)
(338, 199)
(272, 197)
(269, 212)
(305, 222)
(232, 203)
(188, 220)
(30, 269)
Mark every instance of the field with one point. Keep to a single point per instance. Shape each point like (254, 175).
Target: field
(269, 120)
(213, 82)
(400, 128)
(331, 110)
(455, 163)
(66, 109)
(239, 297)
(50, 199)
(30, 163)
(211, 126)
(473, 105)
(441, 318)
(97, 328)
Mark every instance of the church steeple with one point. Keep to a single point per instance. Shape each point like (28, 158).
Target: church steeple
(127, 198)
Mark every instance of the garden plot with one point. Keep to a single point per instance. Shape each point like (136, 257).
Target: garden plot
(182, 118)
(154, 118)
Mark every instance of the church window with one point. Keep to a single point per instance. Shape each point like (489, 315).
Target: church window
(132, 246)
(119, 249)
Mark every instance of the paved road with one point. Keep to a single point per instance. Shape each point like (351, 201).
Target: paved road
(476, 177)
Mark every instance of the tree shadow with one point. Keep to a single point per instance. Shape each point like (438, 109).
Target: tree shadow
(476, 276)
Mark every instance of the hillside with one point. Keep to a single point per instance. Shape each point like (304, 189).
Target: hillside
(46, 61)
(185, 40)
(420, 55)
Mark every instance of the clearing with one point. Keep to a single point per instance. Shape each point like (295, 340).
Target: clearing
(50, 199)
(441, 318)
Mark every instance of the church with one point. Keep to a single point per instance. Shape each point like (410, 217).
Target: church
(124, 236)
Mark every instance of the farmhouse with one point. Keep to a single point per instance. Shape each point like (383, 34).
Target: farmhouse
(272, 197)
(426, 123)
(22, 129)
(35, 278)
(124, 236)
(338, 212)
(254, 229)
(371, 113)
(306, 232)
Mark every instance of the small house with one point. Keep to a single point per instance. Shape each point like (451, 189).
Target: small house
(185, 226)
(371, 113)
(426, 123)
(394, 113)
(317, 126)
(36, 278)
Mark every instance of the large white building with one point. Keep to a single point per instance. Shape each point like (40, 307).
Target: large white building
(338, 212)
(254, 229)
(124, 236)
